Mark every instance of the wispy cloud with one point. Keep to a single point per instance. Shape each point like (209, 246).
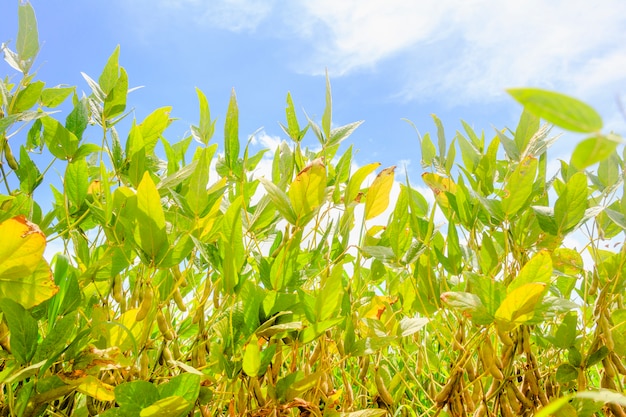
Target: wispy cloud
(466, 51)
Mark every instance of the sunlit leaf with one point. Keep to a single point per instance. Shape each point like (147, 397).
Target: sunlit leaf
(469, 305)
(27, 97)
(308, 191)
(27, 44)
(519, 305)
(166, 407)
(252, 358)
(570, 207)
(377, 197)
(558, 109)
(355, 181)
(95, 388)
(440, 186)
(593, 150)
(537, 269)
(154, 125)
(519, 186)
(151, 235)
(25, 276)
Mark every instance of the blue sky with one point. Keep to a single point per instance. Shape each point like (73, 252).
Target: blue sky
(386, 60)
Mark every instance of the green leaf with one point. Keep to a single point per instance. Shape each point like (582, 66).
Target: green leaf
(293, 127)
(197, 195)
(519, 186)
(441, 137)
(185, 386)
(56, 340)
(329, 299)
(27, 97)
(53, 97)
(151, 236)
(566, 373)
(205, 131)
(328, 110)
(570, 207)
(61, 142)
(111, 72)
(252, 358)
(593, 150)
(231, 133)
(136, 395)
(565, 335)
(526, 129)
(154, 125)
(27, 44)
(429, 151)
(573, 356)
(597, 356)
(411, 325)
(280, 200)
(23, 329)
(173, 406)
(537, 269)
(115, 101)
(558, 109)
(28, 173)
(76, 122)
(377, 197)
(77, 182)
(340, 133)
(469, 305)
(234, 251)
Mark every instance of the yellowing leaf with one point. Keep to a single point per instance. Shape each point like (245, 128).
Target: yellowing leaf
(377, 197)
(440, 185)
(166, 407)
(519, 305)
(252, 358)
(355, 181)
(538, 269)
(93, 387)
(308, 190)
(519, 186)
(127, 331)
(25, 276)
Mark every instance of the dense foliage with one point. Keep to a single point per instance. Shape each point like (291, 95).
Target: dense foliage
(190, 285)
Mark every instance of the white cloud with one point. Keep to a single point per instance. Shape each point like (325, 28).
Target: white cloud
(462, 51)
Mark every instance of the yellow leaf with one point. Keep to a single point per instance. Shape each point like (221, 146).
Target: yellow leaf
(127, 328)
(25, 276)
(93, 387)
(308, 191)
(440, 185)
(377, 197)
(168, 406)
(519, 305)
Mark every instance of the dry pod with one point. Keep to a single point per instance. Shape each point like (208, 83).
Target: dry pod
(383, 392)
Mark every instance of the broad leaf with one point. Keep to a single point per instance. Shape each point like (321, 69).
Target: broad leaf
(558, 109)
(377, 197)
(25, 276)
